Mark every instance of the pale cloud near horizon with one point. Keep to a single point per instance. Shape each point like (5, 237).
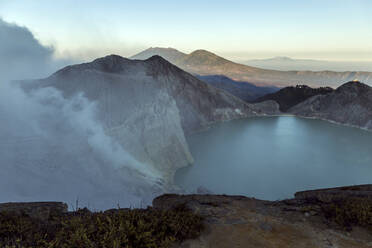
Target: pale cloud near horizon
(23, 56)
(318, 29)
(38, 60)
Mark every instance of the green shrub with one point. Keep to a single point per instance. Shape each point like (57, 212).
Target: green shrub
(115, 228)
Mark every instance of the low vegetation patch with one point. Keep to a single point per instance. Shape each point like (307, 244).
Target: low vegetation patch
(350, 212)
(112, 229)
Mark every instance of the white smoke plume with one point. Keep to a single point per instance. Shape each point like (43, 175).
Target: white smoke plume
(22, 56)
(53, 148)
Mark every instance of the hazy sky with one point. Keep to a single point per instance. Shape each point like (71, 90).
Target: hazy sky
(237, 29)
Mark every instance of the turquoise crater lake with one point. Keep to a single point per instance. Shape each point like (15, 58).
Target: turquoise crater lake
(272, 158)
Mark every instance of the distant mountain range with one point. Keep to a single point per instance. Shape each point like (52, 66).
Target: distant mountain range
(288, 64)
(203, 63)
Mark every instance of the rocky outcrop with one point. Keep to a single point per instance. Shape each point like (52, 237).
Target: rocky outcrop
(148, 106)
(237, 221)
(291, 96)
(38, 210)
(350, 104)
(336, 194)
(267, 108)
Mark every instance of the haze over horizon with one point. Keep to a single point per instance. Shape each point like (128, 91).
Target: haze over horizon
(239, 30)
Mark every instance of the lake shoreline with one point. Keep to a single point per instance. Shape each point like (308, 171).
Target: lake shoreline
(213, 160)
(211, 124)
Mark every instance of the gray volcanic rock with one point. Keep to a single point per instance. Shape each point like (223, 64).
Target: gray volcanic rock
(268, 107)
(350, 104)
(199, 103)
(148, 105)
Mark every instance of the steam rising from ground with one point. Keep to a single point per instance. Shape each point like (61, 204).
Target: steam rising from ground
(53, 148)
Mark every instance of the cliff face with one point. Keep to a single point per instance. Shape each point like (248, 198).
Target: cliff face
(199, 103)
(350, 104)
(147, 106)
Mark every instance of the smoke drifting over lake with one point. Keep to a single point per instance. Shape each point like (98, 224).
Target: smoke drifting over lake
(53, 148)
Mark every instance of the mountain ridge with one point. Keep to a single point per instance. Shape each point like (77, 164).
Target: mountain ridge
(284, 63)
(246, 91)
(202, 62)
(292, 95)
(350, 104)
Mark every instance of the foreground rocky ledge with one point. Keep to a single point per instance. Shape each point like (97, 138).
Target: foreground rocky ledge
(335, 217)
(338, 217)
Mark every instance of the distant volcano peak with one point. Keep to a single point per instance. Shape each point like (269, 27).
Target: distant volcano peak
(169, 54)
(283, 58)
(204, 57)
(162, 48)
(202, 52)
